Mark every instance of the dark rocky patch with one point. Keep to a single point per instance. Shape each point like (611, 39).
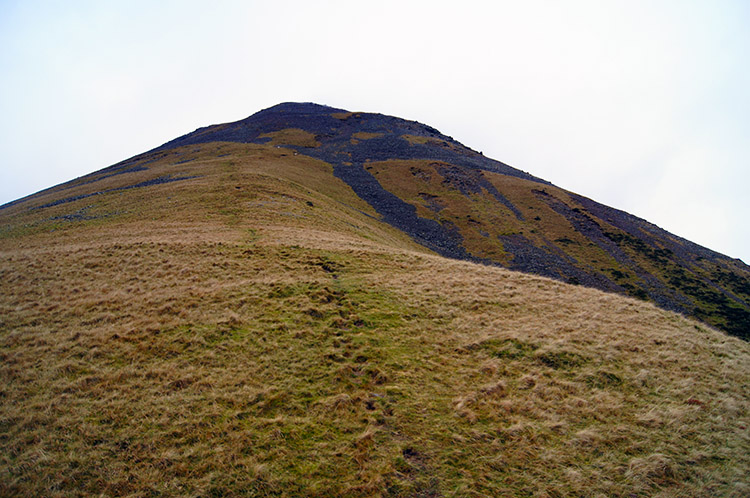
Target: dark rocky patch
(400, 214)
(552, 263)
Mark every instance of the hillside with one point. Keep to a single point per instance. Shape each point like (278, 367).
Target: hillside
(245, 319)
(461, 204)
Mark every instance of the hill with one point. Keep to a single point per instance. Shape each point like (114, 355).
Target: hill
(461, 204)
(240, 319)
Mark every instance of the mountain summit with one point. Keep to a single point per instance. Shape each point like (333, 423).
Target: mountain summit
(350, 142)
(461, 204)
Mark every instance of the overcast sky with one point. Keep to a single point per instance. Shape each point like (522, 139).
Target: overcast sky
(640, 105)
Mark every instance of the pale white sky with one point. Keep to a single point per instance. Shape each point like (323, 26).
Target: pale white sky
(640, 105)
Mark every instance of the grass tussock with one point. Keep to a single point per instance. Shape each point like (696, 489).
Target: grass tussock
(211, 340)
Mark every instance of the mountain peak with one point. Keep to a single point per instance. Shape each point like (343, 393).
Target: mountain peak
(299, 108)
(338, 130)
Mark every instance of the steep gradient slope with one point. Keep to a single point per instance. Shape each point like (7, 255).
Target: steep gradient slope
(461, 204)
(230, 319)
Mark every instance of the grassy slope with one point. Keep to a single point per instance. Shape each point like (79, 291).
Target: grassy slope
(255, 331)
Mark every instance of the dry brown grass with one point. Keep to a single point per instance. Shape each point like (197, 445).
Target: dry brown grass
(365, 135)
(209, 340)
(292, 136)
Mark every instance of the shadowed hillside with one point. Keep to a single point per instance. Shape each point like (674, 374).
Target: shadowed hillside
(245, 319)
